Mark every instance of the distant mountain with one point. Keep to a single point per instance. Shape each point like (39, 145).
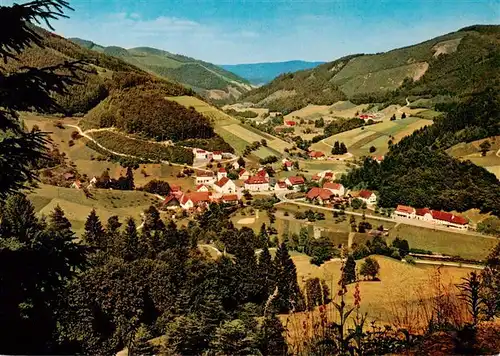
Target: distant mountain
(439, 70)
(262, 73)
(209, 80)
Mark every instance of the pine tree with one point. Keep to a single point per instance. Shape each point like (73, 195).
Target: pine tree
(94, 233)
(130, 179)
(131, 246)
(271, 338)
(263, 236)
(349, 270)
(18, 217)
(36, 265)
(289, 294)
(24, 149)
(246, 267)
(343, 148)
(336, 148)
(57, 220)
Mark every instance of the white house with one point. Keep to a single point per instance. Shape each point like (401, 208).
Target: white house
(207, 178)
(200, 154)
(423, 214)
(335, 188)
(217, 155)
(404, 211)
(295, 182)
(236, 165)
(202, 188)
(225, 186)
(280, 186)
(244, 175)
(257, 184)
(222, 173)
(288, 165)
(196, 199)
(368, 197)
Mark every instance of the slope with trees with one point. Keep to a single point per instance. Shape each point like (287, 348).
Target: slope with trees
(446, 68)
(418, 172)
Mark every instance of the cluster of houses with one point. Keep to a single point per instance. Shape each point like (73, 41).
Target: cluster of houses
(335, 193)
(201, 154)
(200, 198)
(432, 216)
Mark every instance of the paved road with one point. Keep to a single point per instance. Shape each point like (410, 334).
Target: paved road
(404, 221)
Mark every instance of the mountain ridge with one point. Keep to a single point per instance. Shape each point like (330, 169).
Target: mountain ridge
(205, 78)
(437, 70)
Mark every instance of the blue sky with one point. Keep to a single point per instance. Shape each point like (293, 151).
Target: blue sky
(246, 31)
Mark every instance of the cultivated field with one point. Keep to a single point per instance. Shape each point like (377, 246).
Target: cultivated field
(470, 151)
(232, 131)
(77, 207)
(344, 109)
(450, 243)
(359, 141)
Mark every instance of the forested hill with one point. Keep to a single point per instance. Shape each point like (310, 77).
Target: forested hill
(112, 92)
(418, 172)
(262, 73)
(436, 71)
(209, 80)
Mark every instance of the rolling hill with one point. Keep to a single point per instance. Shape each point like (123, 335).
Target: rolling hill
(434, 71)
(209, 80)
(112, 93)
(262, 73)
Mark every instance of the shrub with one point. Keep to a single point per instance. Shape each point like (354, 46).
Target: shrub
(157, 187)
(410, 260)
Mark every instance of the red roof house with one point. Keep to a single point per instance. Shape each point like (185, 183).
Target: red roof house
(297, 180)
(316, 154)
(290, 123)
(319, 193)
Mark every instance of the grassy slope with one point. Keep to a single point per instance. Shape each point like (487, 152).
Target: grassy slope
(231, 130)
(470, 62)
(77, 207)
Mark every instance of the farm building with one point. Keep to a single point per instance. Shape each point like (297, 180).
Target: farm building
(257, 184)
(76, 184)
(205, 178)
(225, 186)
(290, 123)
(316, 155)
(335, 188)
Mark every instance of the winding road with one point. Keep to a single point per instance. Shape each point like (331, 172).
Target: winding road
(88, 137)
